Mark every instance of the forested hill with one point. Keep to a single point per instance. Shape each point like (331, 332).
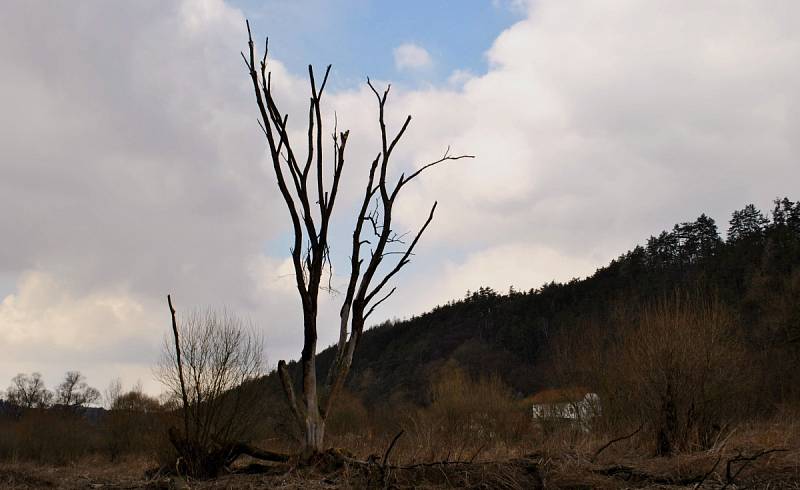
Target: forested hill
(755, 270)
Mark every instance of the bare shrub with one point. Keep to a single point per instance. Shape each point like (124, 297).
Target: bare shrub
(134, 423)
(684, 366)
(467, 416)
(678, 365)
(220, 356)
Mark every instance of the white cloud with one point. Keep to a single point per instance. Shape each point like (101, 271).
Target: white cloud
(48, 328)
(460, 77)
(598, 126)
(516, 6)
(522, 265)
(410, 56)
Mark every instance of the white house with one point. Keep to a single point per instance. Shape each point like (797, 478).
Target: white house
(575, 405)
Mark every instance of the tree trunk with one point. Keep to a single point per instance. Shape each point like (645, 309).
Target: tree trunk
(315, 434)
(668, 427)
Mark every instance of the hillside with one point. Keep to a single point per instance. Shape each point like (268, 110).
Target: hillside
(755, 271)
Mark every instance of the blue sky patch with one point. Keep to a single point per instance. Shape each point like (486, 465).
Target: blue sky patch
(359, 36)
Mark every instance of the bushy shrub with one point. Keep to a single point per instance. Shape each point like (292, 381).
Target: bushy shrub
(466, 416)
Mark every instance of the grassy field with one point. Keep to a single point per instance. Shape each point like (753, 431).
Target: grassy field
(765, 455)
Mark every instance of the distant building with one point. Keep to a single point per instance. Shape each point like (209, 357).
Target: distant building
(576, 406)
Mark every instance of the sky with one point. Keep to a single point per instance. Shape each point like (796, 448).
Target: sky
(131, 164)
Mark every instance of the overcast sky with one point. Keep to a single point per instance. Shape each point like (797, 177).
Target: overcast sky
(131, 165)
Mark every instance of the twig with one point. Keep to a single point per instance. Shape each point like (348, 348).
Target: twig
(477, 453)
(730, 479)
(614, 441)
(391, 446)
(703, 479)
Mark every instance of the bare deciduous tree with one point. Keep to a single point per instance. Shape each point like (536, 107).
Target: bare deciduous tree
(74, 392)
(29, 391)
(310, 206)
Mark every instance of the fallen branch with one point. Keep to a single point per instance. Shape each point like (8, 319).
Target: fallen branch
(739, 458)
(439, 463)
(257, 453)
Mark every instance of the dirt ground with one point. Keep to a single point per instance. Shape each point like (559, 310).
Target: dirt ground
(730, 469)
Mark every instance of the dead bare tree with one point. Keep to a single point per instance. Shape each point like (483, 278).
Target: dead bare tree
(365, 287)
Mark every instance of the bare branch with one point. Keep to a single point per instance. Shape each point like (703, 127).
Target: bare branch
(404, 180)
(399, 135)
(266, 118)
(179, 364)
(614, 441)
(730, 477)
(379, 302)
(405, 259)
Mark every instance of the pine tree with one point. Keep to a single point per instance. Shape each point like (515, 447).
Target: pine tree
(747, 223)
(784, 213)
(697, 239)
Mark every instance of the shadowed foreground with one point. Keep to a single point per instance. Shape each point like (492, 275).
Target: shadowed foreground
(721, 468)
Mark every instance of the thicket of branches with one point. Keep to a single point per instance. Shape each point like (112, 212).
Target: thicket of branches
(209, 365)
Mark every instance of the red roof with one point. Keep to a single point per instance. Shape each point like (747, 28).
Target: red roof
(559, 395)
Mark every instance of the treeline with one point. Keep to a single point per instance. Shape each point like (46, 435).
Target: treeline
(29, 391)
(64, 424)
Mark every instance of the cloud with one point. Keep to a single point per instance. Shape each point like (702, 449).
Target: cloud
(596, 127)
(132, 166)
(499, 267)
(516, 6)
(47, 327)
(410, 56)
(460, 77)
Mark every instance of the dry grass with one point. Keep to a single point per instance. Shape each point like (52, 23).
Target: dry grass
(489, 441)
(94, 472)
(563, 461)
(625, 465)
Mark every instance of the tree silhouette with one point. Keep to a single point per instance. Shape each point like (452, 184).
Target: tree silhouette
(29, 391)
(74, 392)
(310, 206)
(747, 223)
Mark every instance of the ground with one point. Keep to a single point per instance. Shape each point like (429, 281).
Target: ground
(774, 470)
